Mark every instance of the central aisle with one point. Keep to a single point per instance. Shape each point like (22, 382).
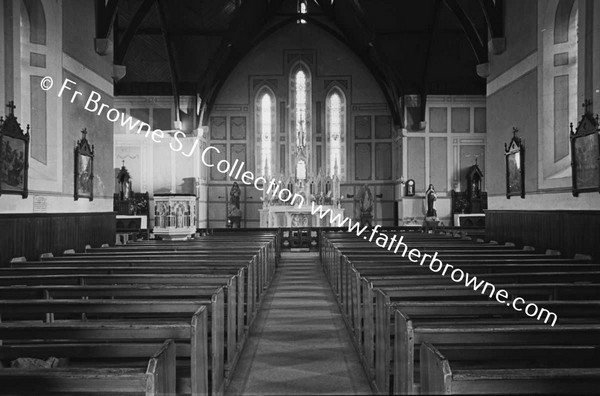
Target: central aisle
(300, 344)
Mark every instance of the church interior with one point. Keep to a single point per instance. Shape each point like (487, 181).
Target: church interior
(285, 197)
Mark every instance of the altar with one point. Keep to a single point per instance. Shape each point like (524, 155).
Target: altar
(286, 216)
(308, 180)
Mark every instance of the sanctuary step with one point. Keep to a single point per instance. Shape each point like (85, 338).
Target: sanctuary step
(299, 344)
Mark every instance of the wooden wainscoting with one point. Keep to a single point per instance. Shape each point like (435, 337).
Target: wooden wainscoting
(30, 235)
(565, 230)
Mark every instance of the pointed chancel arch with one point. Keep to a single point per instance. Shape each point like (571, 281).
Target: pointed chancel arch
(336, 133)
(265, 131)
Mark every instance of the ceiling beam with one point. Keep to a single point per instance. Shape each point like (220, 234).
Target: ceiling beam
(427, 61)
(494, 16)
(170, 56)
(135, 23)
(415, 32)
(232, 53)
(105, 17)
(106, 13)
(492, 10)
(384, 75)
(478, 45)
(176, 32)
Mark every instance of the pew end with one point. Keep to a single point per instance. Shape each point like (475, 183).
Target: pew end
(160, 373)
(436, 375)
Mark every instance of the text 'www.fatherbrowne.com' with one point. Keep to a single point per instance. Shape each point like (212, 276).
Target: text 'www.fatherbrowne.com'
(395, 244)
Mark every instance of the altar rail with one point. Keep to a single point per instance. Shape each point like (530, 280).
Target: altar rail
(30, 235)
(310, 237)
(570, 231)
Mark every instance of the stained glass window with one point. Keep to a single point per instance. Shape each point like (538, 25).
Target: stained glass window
(265, 124)
(300, 108)
(336, 133)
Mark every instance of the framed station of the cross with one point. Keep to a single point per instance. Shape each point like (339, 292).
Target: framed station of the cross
(14, 155)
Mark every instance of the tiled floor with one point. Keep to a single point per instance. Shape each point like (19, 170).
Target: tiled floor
(300, 344)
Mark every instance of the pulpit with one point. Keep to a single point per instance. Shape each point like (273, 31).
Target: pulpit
(174, 216)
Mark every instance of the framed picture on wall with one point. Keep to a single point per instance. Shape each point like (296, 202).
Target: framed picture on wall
(14, 155)
(515, 166)
(585, 151)
(84, 168)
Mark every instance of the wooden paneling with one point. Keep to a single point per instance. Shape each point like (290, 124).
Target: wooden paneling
(362, 127)
(438, 119)
(215, 157)
(238, 128)
(480, 121)
(362, 165)
(416, 162)
(238, 152)
(383, 161)
(568, 231)
(161, 119)
(438, 167)
(383, 127)
(141, 114)
(461, 120)
(218, 128)
(30, 235)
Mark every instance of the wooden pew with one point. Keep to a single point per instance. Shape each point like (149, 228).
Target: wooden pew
(132, 274)
(410, 333)
(439, 377)
(258, 276)
(235, 332)
(241, 299)
(357, 295)
(193, 338)
(158, 379)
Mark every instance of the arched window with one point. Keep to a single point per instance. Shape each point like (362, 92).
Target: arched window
(301, 119)
(301, 9)
(33, 54)
(265, 125)
(565, 74)
(558, 88)
(336, 133)
(300, 108)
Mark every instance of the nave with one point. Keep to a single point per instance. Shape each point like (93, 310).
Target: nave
(299, 344)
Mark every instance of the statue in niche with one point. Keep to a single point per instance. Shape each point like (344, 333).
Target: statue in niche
(234, 196)
(363, 204)
(431, 197)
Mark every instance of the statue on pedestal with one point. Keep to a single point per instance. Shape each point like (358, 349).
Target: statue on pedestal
(431, 197)
(235, 214)
(234, 195)
(363, 206)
